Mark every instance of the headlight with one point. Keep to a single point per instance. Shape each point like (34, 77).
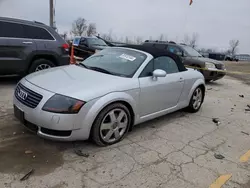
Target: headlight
(210, 65)
(63, 105)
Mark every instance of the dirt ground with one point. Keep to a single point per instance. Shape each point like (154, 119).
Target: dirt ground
(243, 67)
(174, 151)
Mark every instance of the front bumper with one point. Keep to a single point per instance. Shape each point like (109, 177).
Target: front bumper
(62, 127)
(213, 74)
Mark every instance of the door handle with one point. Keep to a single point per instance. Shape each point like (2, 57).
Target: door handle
(28, 42)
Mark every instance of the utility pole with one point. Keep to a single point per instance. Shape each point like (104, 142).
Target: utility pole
(51, 13)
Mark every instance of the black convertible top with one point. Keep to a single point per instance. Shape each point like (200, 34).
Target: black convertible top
(155, 52)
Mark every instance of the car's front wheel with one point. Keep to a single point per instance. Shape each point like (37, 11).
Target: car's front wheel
(196, 100)
(111, 124)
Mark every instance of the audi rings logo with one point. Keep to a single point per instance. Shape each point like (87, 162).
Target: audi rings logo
(22, 94)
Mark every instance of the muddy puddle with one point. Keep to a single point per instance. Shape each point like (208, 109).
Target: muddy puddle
(21, 151)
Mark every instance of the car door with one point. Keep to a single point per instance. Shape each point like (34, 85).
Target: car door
(161, 93)
(84, 50)
(3, 55)
(17, 47)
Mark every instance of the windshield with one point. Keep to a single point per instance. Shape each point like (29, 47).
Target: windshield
(191, 52)
(117, 61)
(95, 41)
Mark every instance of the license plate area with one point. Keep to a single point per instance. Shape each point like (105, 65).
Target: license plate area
(19, 114)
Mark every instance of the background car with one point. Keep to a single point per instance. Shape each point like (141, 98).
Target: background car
(191, 57)
(26, 47)
(231, 58)
(108, 93)
(217, 56)
(87, 46)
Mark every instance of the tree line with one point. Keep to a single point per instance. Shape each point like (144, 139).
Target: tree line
(80, 27)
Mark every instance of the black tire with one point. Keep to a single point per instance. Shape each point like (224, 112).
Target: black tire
(95, 132)
(35, 64)
(191, 108)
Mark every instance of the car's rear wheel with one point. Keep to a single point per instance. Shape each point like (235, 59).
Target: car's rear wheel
(196, 100)
(111, 124)
(40, 64)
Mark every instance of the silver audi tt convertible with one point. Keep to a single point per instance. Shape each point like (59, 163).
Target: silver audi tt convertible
(104, 96)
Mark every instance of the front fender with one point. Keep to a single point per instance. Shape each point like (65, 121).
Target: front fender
(100, 103)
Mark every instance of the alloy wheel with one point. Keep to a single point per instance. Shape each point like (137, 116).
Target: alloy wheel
(114, 125)
(42, 67)
(197, 98)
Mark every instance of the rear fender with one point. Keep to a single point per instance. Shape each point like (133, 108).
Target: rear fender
(42, 55)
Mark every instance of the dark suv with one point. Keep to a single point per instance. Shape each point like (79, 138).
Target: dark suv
(192, 58)
(27, 46)
(87, 46)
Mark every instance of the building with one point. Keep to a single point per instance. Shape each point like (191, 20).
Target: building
(243, 57)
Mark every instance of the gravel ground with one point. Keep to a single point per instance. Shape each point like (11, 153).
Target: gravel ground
(243, 67)
(177, 150)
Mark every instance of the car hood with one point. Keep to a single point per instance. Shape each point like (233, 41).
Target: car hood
(204, 59)
(79, 82)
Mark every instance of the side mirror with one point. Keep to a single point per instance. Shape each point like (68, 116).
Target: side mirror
(159, 73)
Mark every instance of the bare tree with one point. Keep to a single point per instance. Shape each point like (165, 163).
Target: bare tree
(109, 37)
(191, 41)
(162, 37)
(138, 40)
(128, 40)
(91, 30)
(233, 46)
(64, 35)
(186, 39)
(78, 27)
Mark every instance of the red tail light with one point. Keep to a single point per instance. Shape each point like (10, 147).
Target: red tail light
(65, 47)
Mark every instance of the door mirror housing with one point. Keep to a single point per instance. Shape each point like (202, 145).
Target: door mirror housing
(159, 73)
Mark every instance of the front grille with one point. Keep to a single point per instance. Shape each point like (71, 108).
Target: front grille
(30, 98)
(220, 66)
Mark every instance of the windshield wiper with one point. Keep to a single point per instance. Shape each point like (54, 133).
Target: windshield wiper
(81, 64)
(100, 70)
(105, 71)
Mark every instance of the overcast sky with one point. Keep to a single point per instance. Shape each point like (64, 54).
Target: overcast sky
(216, 21)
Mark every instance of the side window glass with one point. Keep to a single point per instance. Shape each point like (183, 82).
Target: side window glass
(175, 50)
(148, 70)
(166, 63)
(160, 46)
(11, 30)
(83, 41)
(37, 33)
